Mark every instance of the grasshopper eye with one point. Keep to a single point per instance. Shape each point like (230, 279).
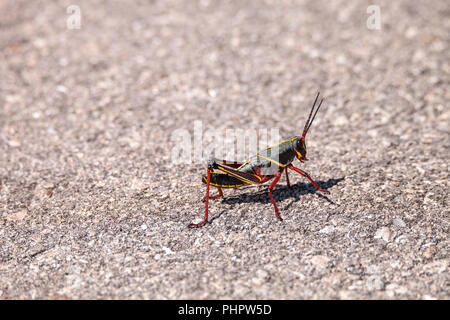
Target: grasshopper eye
(301, 147)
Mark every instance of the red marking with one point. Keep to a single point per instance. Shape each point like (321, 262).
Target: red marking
(272, 187)
(287, 178)
(200, 224)
(303, 173)
(263, 177)
(217, 196)
(231, 164)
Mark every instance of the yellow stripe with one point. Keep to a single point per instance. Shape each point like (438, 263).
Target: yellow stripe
(277, 163)
(281, 143)
(268, 159)
(227, 186)
(223, 185)
(239, 177)
(243, 164)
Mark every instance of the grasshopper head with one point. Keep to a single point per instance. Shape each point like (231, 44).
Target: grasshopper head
(300, 146)
(300, 149)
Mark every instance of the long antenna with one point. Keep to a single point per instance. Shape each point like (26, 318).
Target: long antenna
(314, 115)
(305, 130)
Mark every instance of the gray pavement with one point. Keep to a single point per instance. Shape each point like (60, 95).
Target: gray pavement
(92, 207)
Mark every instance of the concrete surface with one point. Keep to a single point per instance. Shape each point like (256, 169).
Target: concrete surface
(92, 207)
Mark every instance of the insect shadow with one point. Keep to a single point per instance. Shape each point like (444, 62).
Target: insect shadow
(283, 192)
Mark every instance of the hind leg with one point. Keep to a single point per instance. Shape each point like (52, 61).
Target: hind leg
(205, 219)
(217, 196)
(211, 164)
(272, 187)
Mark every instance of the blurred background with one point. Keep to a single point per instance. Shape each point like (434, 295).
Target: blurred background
(92, 207)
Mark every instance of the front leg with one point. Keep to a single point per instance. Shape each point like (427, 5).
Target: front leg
(287, 180)
(272, 186)
(303, 173)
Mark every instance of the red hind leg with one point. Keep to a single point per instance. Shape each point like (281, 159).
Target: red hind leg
(217, 196)
(272, 187)
(202, 223)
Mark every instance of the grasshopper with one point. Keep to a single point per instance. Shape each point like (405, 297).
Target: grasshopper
(266, 165)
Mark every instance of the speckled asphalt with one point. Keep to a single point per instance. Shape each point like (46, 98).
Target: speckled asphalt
(91, 206)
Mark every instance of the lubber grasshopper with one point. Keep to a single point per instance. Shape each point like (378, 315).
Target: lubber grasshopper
(262, 167)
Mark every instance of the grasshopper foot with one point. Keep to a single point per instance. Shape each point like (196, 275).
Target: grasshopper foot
(324, 191)
(277, 214)
(217, 196)
(198, 225)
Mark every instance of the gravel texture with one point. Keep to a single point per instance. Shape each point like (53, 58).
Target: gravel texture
(92, 207)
